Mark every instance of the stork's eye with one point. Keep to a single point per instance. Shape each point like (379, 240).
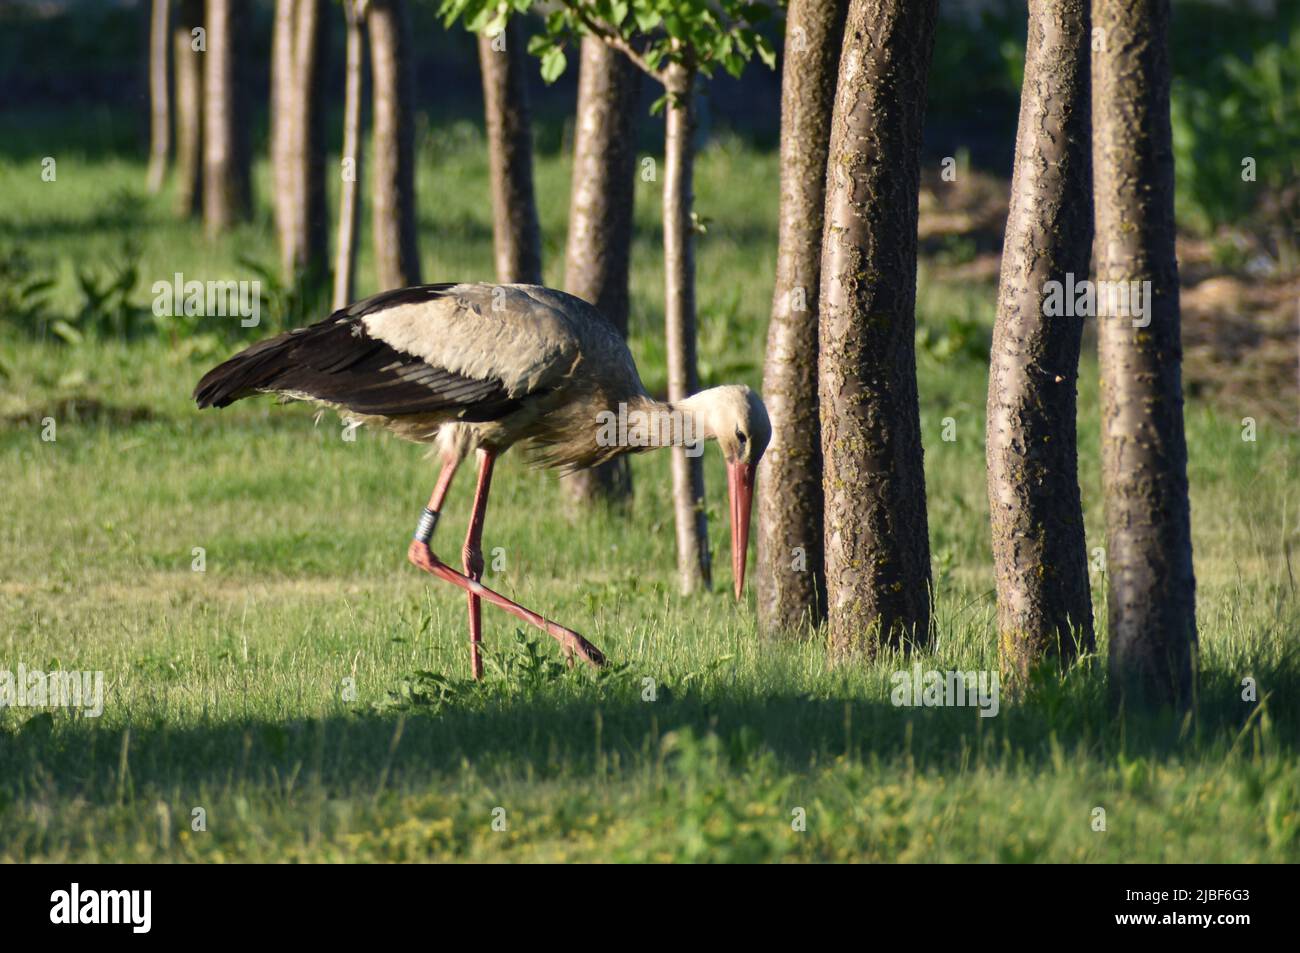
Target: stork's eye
(740, 437)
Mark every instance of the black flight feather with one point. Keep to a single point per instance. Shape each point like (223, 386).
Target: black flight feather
(336, 360)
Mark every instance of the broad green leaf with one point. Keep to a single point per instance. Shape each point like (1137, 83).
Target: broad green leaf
(647, 18)
(557, 22)
(553, 63)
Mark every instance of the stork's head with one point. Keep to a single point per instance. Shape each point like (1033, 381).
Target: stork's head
(735, 417)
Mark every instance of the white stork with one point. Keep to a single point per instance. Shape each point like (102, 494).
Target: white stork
(483, 367)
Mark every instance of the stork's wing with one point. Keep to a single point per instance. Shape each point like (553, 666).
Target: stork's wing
(472, 350)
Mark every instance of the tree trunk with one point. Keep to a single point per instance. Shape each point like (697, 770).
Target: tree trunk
(877, 541)
(516, 236)
(298, 138)
(1035, 511)
(600, 218)
(281, 122)
(345, 261)
(309, 242)
(188, 64)
(397, 259)
(693, 560)
(791, 572)
(160, 131)
(227, 196)
(1152, 618)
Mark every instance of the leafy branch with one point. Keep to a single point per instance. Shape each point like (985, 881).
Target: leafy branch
(653, 34)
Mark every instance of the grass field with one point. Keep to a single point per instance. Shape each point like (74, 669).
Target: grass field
(229, 689)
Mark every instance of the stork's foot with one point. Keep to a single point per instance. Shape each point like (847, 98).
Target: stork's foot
(573, 644)
(421, 556)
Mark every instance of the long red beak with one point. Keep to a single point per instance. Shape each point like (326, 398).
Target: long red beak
(740, 487)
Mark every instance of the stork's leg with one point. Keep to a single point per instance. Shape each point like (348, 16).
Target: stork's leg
(422, 556)
(449, 466)
(473, 558)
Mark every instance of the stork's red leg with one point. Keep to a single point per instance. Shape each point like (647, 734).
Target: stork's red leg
(473, 558)
(573, 643)
(422, 556)
(449, 465)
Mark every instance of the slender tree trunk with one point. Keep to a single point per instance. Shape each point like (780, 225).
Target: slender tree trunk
(160, 119)
(227, 196)
(397, 259)
(307, 145)
(693, 560)
(298, 138)
(1152, 619)
(188, 64)
(791, 573)
(282, 115)
(877, 540)
(516, 237)
(600, 217)
(345, 261)
(1035, 510)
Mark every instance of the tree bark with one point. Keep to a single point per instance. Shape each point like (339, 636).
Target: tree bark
(309, 244)
(227, 195)
(600, 218)
(1152, 612)
(791, 572)
(693, 561)
(397, 260)
(188, 65)
(516, 236)
(1035, 510)
(345, 261)
(877, 542)
(282, 93)
(160, 132)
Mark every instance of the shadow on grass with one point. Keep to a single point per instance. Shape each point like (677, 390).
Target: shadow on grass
(574, 725)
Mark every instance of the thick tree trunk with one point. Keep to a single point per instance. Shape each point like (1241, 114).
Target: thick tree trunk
(1039, 553)
(188, 64)
(693, 561)
(600, 217)
(160, 117)
(791, 573)
(877, 541)
(516, 236)
(397, 260)
(1152, 618)
(227, 195)
(345, 261)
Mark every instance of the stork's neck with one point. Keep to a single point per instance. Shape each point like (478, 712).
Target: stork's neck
(696, 413)
(650, 423)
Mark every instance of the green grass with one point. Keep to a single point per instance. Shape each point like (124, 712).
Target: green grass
(225, 688)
